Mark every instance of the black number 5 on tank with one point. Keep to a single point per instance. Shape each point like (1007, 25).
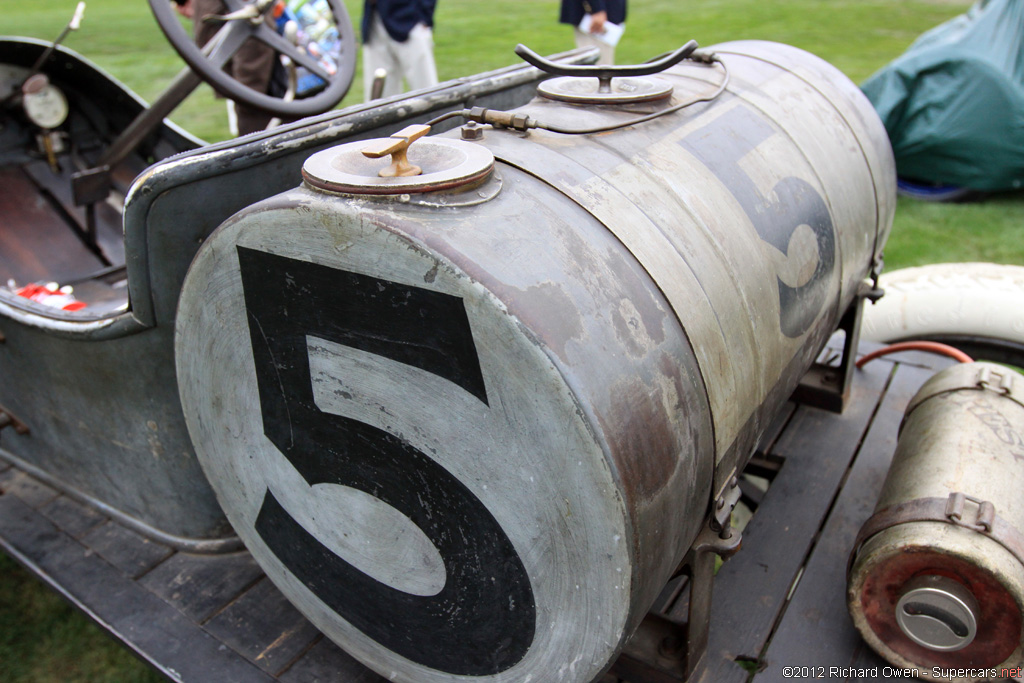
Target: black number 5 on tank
(483, 619)
(720, 146)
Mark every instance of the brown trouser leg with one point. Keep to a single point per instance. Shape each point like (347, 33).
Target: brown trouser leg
(252, 65)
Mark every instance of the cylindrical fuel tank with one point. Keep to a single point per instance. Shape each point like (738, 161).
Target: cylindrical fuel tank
(937, 575)
(469, 421)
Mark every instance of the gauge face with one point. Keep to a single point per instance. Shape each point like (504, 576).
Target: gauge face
(44, 103)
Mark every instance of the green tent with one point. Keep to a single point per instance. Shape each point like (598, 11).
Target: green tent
(953, 103)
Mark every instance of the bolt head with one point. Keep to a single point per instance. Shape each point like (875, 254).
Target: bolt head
(471, 131)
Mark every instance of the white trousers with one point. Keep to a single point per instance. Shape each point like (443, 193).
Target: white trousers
(411, 61)
(588, 40)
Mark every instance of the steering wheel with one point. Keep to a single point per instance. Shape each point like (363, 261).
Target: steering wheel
(247, 20)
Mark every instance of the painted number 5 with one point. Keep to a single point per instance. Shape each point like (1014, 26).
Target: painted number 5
(720, 146)
(483, 619)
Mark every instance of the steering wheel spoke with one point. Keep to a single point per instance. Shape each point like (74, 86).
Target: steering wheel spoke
(297, 55)
(226, 42)
(210, 66)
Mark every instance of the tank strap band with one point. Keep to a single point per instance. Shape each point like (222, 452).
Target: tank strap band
(948, 510)
(981, 376)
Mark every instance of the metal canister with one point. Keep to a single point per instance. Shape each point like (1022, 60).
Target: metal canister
(470, 420)
(937, 574)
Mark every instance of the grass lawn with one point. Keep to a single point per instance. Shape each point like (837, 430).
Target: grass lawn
(858, 36)
(41, 639)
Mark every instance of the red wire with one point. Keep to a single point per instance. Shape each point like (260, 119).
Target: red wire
(934, 347)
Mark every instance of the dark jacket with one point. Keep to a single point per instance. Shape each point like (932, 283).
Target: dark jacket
(573, 10)
(399, 16)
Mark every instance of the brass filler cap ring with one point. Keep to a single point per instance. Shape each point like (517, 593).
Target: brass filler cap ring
(621, 90)
(443, 164)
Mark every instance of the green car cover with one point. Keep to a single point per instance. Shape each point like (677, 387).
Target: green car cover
(953, 103)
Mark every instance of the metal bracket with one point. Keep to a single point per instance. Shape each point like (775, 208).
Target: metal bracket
(725, 503)
(828, 386)
(665, 651)
(993, 380)
(984, 515)
(701, 563)
(8, 420)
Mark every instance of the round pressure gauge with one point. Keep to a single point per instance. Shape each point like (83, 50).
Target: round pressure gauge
(44, 103)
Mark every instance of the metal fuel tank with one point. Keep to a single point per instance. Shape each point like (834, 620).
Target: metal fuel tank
(470, 420)
(936, 578)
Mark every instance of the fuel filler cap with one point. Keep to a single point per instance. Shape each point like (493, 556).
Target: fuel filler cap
(625, 90)
(393, 165)
(938, 613)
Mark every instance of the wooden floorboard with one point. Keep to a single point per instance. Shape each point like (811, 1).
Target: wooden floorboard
(272, 644)
(202, 585)
(130, 552)
(751, 588)
(72, 517)
(158, 633)
(817, 611)
(217, 617)
(325, 662)
(29, 489)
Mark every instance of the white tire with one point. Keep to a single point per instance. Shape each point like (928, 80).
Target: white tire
(975, 305)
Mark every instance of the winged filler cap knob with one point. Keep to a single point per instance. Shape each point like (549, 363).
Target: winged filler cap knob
(397, 146)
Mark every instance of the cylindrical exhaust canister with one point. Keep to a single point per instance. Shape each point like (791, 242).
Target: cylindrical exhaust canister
(936, 578)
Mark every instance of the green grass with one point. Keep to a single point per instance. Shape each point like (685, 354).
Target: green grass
(41, 639)
(858, 36)
(925, 232)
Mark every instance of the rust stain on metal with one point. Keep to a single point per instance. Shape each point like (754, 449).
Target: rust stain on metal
(999, 618)
(642, 439)
(651, 312)
(552, 306)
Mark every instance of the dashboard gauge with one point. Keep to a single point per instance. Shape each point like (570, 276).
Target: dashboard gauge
(44, 103)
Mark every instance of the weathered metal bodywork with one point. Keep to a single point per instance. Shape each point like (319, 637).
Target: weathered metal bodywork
(98, 391)
(568, 362)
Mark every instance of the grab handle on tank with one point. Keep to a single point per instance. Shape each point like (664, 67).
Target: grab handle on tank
(605, 73)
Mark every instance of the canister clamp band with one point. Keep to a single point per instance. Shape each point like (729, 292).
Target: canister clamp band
(948, 510)
(980, 376)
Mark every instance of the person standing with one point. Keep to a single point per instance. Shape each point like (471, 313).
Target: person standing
(252, 65)
(398, 37)
(600, 12)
